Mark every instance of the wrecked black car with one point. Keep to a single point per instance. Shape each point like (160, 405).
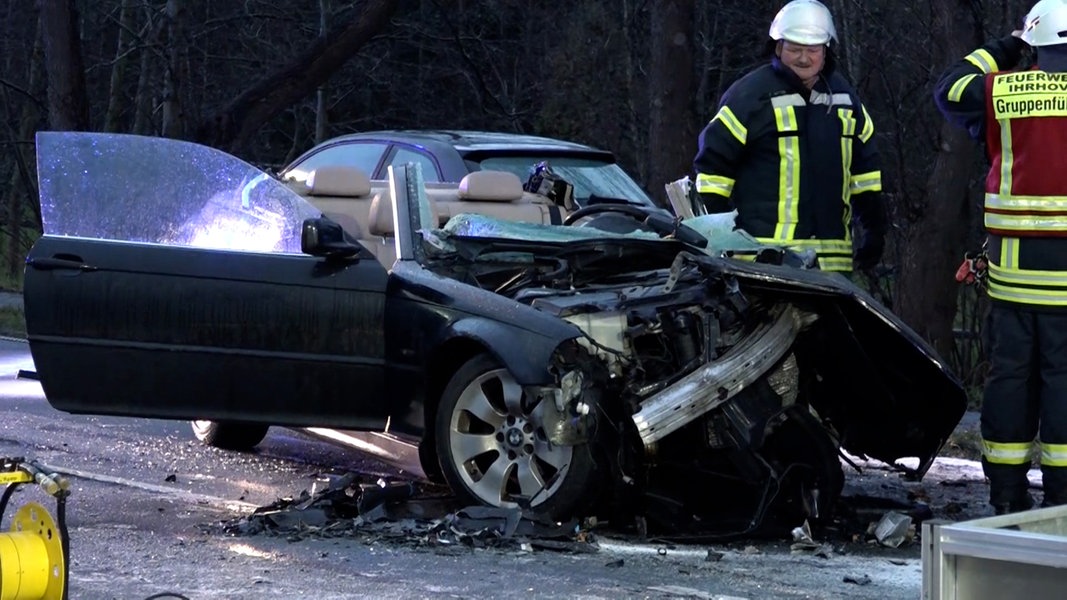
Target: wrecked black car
(560, 368)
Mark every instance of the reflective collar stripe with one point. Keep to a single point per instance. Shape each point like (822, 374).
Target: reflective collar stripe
(1053, 455)
(1007, 157)
(1027, 204)
(732, 123)
(868, 126)
(1019, 224)
(1007, 454)
(831, 100)
(983, 60)
(788, 100)
(866, 182)
(785, 119)
(955, 93)
(715, 184)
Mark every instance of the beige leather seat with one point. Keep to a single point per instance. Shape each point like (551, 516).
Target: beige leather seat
(382, 231)
(499, 194)
(343, 194)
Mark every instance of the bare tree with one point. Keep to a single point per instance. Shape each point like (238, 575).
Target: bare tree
(115, 98)
(938, 229)
(233, 126)
(174, 42)
(672, 84)
(68, 101)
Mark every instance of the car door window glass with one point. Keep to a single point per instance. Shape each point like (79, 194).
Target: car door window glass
(362, 155)
(404, 156)
(163, 191)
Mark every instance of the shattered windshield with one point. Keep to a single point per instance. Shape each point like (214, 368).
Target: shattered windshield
(163, 191)
(717, 228)
(589, 177)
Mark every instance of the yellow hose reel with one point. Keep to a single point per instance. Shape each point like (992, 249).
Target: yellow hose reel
(33, 554)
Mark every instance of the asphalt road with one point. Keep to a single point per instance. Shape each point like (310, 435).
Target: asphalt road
(144, 490)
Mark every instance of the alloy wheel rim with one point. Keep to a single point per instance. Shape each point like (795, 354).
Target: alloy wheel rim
(498, 445)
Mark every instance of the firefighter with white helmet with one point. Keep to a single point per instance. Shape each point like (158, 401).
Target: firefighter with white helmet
(1021, 116)
(792, 149)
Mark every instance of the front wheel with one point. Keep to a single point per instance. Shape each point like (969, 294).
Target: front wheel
(229, 436)
(493, 449)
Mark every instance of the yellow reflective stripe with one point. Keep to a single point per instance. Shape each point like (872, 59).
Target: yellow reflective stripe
(866, 182)
(1007, 454)
(1009, 253)
(1053, 455)
(1031, 277)
(868, 126)
(1007, 158)
(714, 184)
(848, 122)
(1026, 203)
(732, 123)
(835, 263)
(744, 255)
(983, 60)
(1025, 286)
(785, 118)
(1021, 296)
(833, 255)
(1026, 223)
(848, 129)
(838, 246)
(955, 93)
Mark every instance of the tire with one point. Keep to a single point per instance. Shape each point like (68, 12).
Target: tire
(492, 448)
(229, 436)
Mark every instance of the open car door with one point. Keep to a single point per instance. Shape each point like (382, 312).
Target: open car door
(170, 283)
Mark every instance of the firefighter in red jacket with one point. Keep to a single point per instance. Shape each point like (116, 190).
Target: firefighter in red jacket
(792, 149)
(1022, 118)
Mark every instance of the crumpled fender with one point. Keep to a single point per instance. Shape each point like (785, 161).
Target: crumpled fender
(894, 396)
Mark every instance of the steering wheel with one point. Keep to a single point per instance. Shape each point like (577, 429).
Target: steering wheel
(637, 213)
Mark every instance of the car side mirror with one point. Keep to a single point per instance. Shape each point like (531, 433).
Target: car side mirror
(322, 237)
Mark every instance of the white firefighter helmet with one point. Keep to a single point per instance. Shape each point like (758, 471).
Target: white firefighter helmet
(806, 22)
(1046, 23)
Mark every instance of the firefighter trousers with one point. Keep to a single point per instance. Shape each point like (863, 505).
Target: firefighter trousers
(1025, 398)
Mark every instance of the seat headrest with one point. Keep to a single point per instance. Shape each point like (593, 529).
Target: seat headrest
(490, 186)
(337, 180)
(380, 217)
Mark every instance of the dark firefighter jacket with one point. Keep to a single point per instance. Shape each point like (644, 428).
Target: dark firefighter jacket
(796, 165)
(1022, 118)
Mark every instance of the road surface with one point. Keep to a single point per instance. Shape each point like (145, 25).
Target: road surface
(145, 494)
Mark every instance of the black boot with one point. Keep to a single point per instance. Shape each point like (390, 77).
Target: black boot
(1017, 504)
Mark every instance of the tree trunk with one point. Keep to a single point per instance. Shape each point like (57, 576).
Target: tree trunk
(115, 101)
(174, 48)
(321, 122)
(68, 101)
(142, 100)
(23, 173)
(233, 126)
(927, 290)
(672, 93)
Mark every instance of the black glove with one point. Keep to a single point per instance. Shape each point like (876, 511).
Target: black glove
(868, 229)
(868, 251)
